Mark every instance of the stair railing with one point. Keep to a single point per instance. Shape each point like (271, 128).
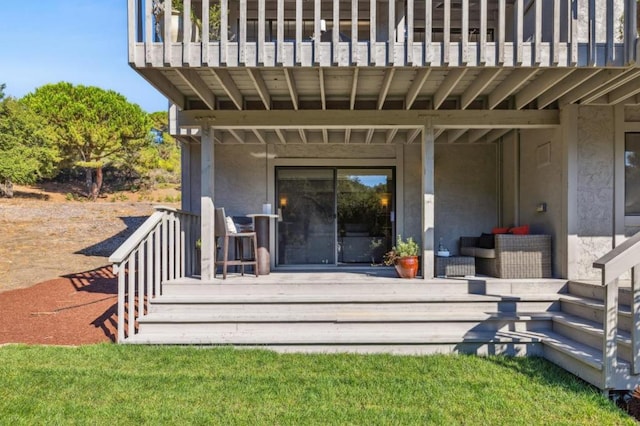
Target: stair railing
(162, 248)
(620, 260)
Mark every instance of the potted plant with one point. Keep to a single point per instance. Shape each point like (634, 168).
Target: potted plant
(404, 257)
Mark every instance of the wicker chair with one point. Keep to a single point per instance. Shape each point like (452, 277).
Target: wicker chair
(514, 256)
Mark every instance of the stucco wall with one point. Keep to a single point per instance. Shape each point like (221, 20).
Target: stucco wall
(595, 187)
(465, 191)
(540, 177)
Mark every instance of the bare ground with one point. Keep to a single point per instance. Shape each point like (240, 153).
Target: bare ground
(44, 236)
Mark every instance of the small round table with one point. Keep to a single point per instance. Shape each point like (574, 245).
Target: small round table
(262, 222)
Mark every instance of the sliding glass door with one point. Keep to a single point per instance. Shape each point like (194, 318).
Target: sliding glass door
(334, 215)
(307, 203)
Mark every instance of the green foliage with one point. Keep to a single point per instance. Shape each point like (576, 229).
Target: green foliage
(2, 87)
(93, 126)
(83, 385)
(401, 249)
(27, 144)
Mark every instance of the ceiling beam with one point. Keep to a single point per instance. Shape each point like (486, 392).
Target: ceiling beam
(416, 86)
(625, 91)
(478, 85)
(163, 85)
(369, 136)
(589, 86)
(370, 119)
(554, 93)
(323, 96)
(198, 85)
(325, 136)
(438, 132)
(291, 84)
(281, 136)
(386, 84)
(413, 134)
(238, 135)
(256, 76)
(454, 135)
(540, 85)
(513, 82)
(354, 89)
(303, 136)
(347, 136)
(228, 85)
(391, 133)
(449, 83)
(475, 134)
(260, 136)
(496, 134)
(611, 86)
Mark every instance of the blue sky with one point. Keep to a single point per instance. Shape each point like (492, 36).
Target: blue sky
(79, 41)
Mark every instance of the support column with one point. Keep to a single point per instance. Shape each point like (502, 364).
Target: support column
(428, 220)
(207, 208)
(567, 244)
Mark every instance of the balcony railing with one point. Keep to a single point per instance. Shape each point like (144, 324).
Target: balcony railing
(382, 33)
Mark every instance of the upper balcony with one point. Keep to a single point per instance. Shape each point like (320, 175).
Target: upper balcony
(448, 33)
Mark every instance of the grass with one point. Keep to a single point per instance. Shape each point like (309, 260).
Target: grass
(115, 384)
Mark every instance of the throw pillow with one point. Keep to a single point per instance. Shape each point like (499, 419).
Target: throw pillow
(486, 241)
(520, 230)
(500, 230)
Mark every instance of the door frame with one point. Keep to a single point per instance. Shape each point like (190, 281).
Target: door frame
(397, 162)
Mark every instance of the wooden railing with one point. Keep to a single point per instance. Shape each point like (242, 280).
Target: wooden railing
(382, 33)
(620, 260)
(161, 249)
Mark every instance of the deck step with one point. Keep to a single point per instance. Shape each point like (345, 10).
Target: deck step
(593, 310)
(357, 342)
(264, 286)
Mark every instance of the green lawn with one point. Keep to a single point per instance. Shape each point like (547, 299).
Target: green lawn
(115, 384)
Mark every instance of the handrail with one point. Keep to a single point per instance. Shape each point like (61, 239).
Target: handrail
(277, 38)
(622, 259)
(161, 249)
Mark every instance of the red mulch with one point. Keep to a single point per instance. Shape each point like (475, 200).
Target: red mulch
(74, 310)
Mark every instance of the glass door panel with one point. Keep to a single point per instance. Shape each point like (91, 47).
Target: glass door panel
(307, 231)
(365, 205)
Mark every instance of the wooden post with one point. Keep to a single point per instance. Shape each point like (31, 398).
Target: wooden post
(428, 30)
(410, 29)
(131, 31)
(121, 271)
(204, 33)
(354, 32)
(428, 200)
(280, 32)
(207, 208)
(538, 33)
(610, 328)
(336, 31)
(392, 32)
(446, 36)
(519, 36)
(298, 31)
(261, 31)
(501, 30)
(243, 32)
(464, 36)
(556, 32)
(224, 23)
(482, 39)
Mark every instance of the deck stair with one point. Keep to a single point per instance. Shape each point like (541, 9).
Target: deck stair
(556, 319)
(376, 315)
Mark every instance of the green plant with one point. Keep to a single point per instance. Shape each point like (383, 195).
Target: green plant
(401, 249)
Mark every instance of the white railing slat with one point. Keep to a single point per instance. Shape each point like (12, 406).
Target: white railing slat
(392, 32)
(280, 32)
(410, 29)
(446, 36)
(556, 32)
(610, 328)
(538, 33)
(635, 331)
(149, 267)
(316, 31)
(172, 246)
(261, 31)
(205, 36)
(298, 31)
(483, 32)
(373, 36)
(519, 17)
(354, 32)
(428, 31)
(224, 36)
(243, 32)
(140, 279)
(502, 28)
(122, 276)
(336, 30)
(157, 261)
(131, 295)
(464, 36)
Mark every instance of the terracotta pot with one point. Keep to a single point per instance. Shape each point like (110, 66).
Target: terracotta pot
(407, 267)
